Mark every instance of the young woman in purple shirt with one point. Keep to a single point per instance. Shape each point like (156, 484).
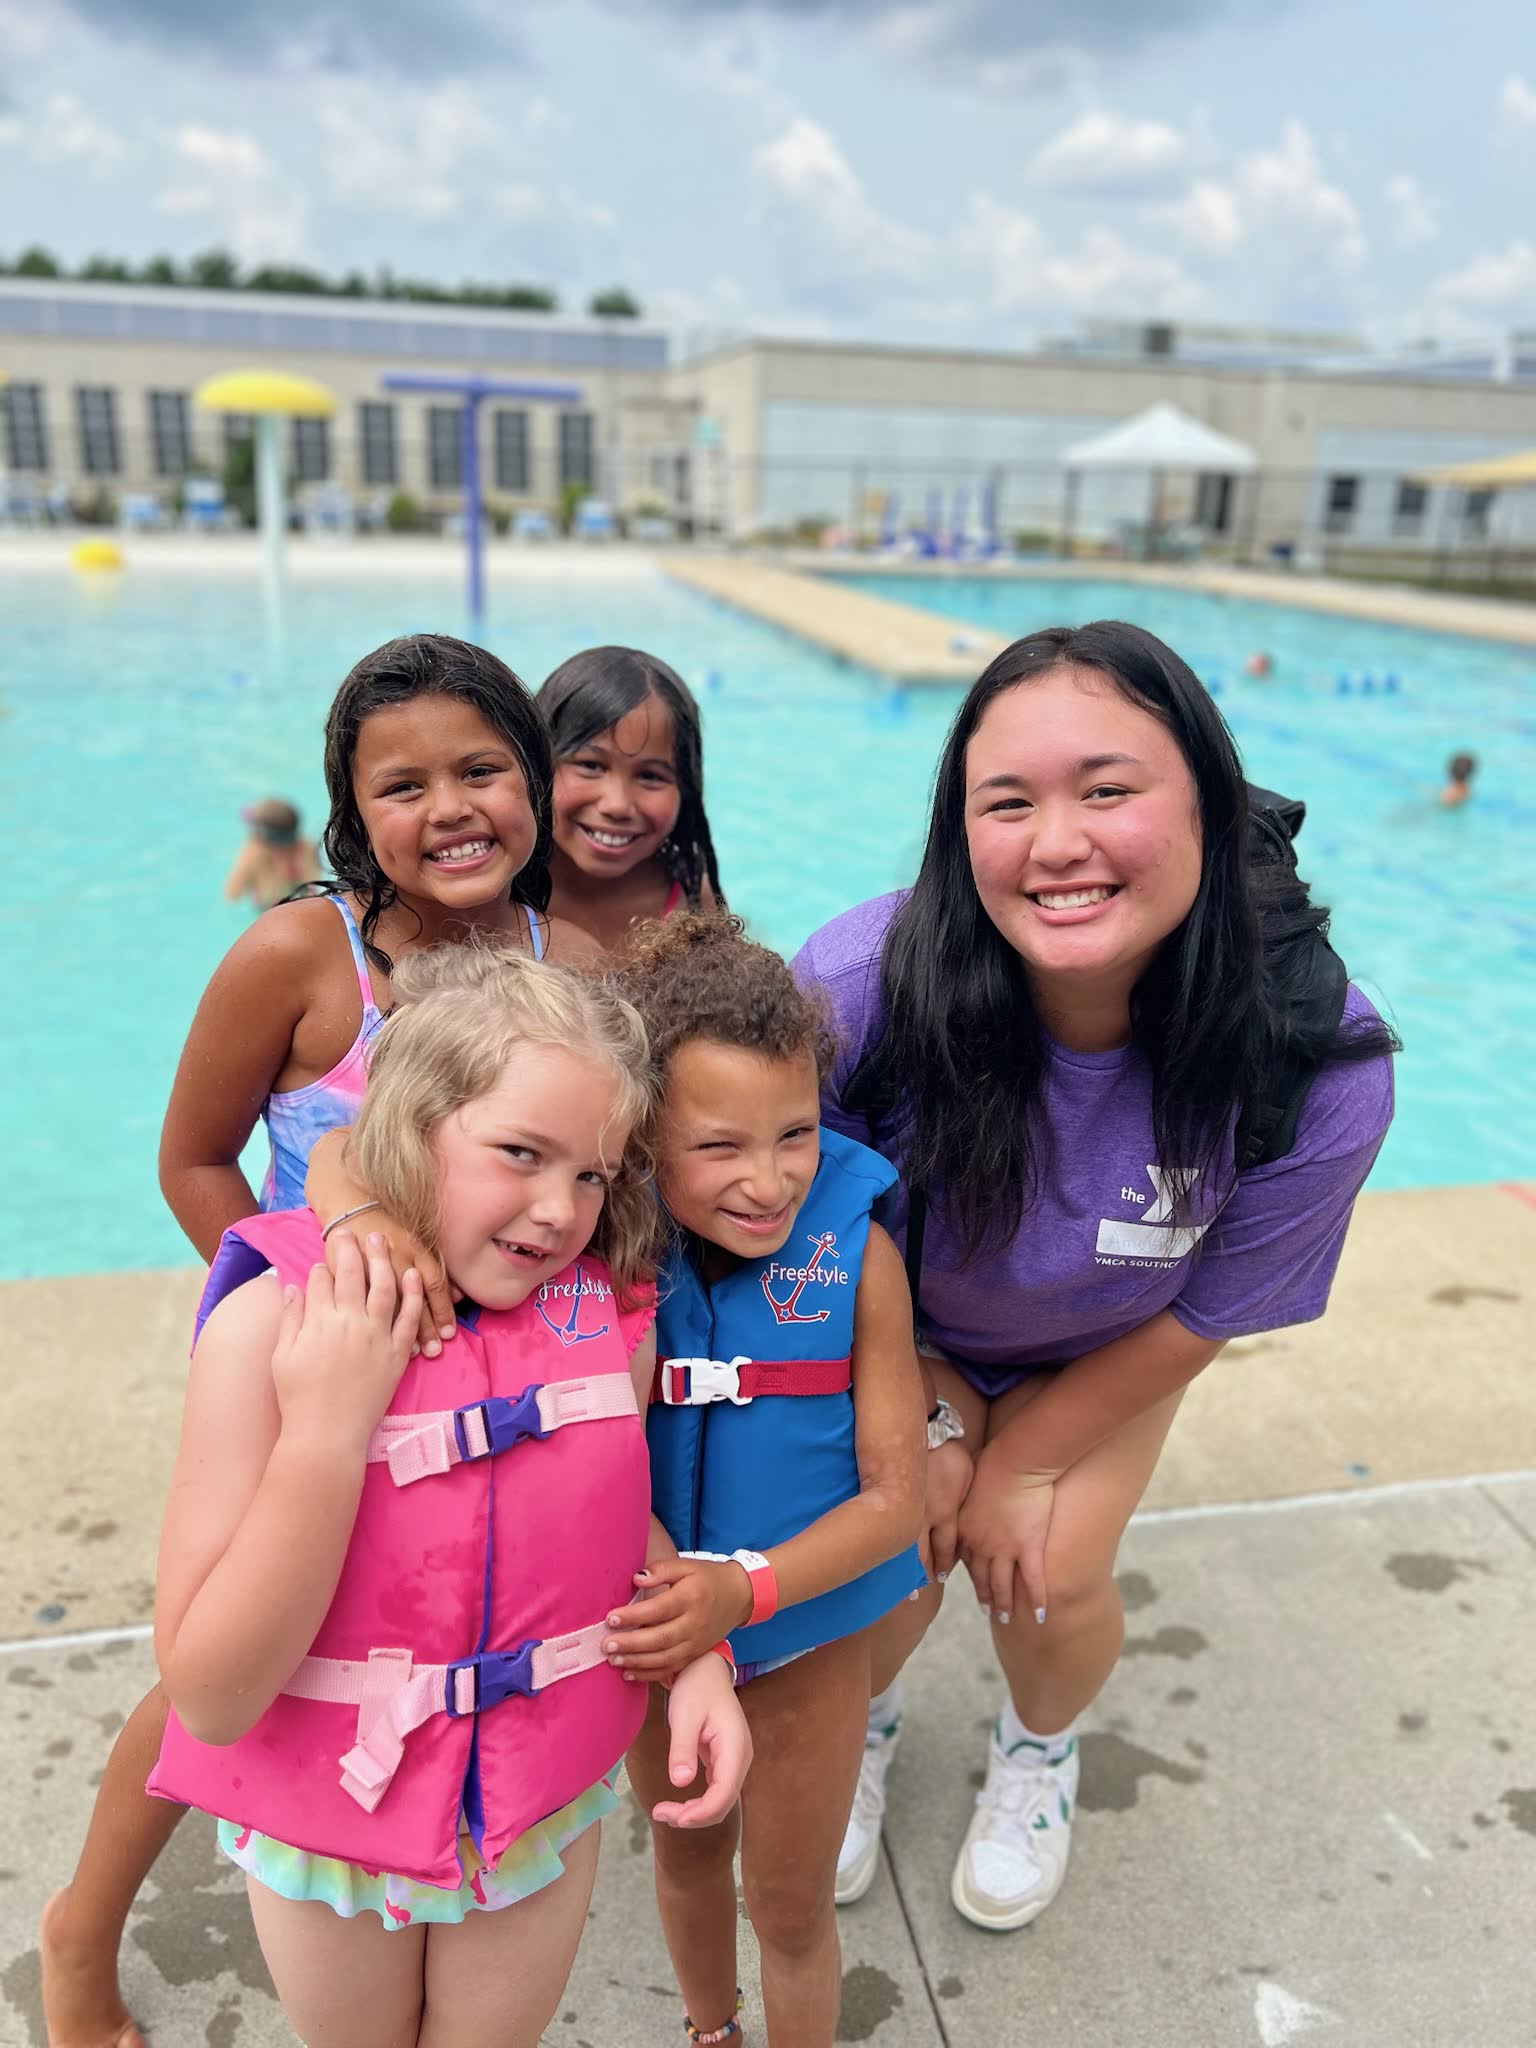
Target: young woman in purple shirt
(1064, 1036)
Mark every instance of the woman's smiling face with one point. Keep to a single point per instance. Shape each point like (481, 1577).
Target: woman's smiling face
(1083, 827)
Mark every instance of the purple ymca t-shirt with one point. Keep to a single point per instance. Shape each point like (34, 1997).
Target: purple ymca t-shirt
(1096, 1255)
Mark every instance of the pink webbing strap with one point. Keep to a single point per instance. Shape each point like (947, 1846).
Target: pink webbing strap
(418, 1446)
(394, 1697)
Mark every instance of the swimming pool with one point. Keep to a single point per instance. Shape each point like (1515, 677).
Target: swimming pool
(137, 716)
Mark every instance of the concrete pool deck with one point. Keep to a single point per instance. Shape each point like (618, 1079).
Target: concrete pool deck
(1309, 1793)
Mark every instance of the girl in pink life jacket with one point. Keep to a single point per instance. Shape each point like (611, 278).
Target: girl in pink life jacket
(405, 1732)
(786, 1446)
(439, 773)
(631, 838)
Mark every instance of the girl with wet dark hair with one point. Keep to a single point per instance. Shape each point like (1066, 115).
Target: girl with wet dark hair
(1132, 1101)
(439, 776)
(631, 838)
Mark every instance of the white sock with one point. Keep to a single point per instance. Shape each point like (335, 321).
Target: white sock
(1011, 1732)
(885, 1710)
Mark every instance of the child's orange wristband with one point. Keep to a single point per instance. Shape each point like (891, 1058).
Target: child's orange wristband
(720, 1649)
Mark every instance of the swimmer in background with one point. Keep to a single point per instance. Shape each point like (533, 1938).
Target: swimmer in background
(1260, 667)
(275, 857)
(1459, 772)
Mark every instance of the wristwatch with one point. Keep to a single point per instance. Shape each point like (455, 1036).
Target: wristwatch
(944, 1425)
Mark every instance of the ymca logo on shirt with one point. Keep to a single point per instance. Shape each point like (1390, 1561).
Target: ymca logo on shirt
(1153, 1238)
(821, 1269)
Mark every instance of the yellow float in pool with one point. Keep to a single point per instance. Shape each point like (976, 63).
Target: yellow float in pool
(96, 554)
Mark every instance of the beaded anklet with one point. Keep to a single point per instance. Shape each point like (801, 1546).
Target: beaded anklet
(728, 2032)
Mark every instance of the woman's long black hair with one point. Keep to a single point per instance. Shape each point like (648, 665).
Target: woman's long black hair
(956, 1074)
(595, 689)
(429, 665)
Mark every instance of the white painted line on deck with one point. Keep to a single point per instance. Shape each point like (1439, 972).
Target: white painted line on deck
(81, 1639)
(1396, 1489)
(1407, 1837)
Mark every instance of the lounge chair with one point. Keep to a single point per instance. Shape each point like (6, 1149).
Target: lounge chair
(594, 521)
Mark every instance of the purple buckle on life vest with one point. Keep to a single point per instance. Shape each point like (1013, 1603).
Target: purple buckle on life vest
(503, 1423)
(495, 1676)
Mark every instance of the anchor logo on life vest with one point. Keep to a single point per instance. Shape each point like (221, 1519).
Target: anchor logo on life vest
(787, 1311)
(564, 1326)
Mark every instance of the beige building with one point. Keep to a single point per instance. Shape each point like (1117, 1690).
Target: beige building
(102, 381)
(767, 434)
(827, 430)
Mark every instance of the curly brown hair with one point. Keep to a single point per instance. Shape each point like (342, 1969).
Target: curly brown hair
(697, 975)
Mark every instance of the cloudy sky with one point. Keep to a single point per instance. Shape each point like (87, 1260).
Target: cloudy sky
(968, 171)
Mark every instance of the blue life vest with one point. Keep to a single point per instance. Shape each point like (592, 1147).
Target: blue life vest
(727, 1478)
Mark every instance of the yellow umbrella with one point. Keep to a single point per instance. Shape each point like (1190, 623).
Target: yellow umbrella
(1492, 473)
(269, 396)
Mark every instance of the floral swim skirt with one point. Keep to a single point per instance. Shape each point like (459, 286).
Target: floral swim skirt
(524, 1867)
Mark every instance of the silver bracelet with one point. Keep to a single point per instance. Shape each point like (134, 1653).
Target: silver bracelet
(346, 1217)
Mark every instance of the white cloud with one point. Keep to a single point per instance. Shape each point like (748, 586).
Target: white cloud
(1498, 280)
(1415, 218)
(1209, 216)
(805, 167)
(1517, 102)
(417, 164)
(1106, 152)
(222, 151)
(185, 199)
(522, 203)
(1102, 273)
(1278, 198)
(68, 131)
(1286, 186)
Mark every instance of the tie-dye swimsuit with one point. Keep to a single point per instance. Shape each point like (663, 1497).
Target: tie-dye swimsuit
(296, 1119)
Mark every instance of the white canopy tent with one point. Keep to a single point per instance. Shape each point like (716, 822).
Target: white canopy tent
(1117, 482)
(1163, 437)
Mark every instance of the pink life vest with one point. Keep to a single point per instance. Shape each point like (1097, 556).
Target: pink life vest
(458, 1669)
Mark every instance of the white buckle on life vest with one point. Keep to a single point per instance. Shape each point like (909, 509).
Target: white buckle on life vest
(695, 1382)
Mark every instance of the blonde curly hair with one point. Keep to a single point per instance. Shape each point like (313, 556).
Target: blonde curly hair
(460, 1013)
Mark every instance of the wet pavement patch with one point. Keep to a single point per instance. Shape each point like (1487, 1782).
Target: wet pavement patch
(1172, 1641)
(1427, 1571)
(1520, 1804)
(1114, 1768)
(870, 1996)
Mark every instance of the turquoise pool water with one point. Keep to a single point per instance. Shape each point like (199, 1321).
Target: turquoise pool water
(137, 717)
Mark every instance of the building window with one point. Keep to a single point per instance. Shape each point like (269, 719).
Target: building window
(1408, 514)
(1343, 495)
(96, 423)
(376, 432)
(26, 428)
(576, 466)
(443, 465)
(1474, 514)
(311, 451)
(169, 434)
(1213, 503)
(239, 427)
(511, 450)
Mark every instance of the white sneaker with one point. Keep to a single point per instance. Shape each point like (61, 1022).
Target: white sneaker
(859, 1857)
(1014, 1856)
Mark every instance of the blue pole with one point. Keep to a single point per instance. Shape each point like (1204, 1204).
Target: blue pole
(469, 466)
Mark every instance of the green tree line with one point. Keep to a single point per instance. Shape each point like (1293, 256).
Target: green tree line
(217, 270)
